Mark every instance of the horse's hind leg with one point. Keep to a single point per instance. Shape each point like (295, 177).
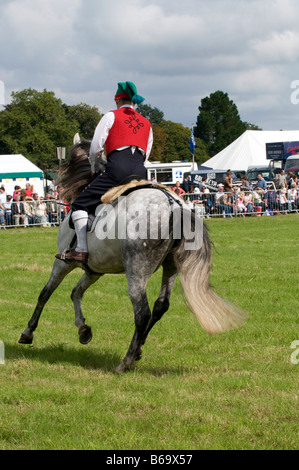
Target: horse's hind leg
(59, 271)
(162, 303)
(137, 292)
(86, 281)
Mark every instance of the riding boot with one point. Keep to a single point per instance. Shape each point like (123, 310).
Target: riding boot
(80, 219)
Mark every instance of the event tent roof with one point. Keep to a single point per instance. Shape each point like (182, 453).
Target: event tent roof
(249, 150)
(18, 166)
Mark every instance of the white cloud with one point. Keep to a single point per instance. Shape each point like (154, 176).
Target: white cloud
(280, 47)
(176, 52)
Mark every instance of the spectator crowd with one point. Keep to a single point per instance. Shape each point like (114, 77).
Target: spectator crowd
(27, 208)
(282, 196)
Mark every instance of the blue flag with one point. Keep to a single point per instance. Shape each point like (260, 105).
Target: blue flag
(192, 142)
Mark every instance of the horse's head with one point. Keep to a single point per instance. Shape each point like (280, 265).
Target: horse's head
(75, 174)
(80, 151)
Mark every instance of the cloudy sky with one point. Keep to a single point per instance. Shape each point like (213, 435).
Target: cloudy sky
(177, 52)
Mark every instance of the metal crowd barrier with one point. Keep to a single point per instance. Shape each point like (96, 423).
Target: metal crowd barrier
(44, 213)
(255, 203)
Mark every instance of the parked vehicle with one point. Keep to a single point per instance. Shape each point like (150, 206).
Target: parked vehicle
(292, 162)
(269, 174)
(168, 173)
(213, 178)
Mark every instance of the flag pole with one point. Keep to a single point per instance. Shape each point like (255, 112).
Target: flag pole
(192, 147)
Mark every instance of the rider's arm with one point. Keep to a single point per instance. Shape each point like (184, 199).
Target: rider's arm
(101, 133)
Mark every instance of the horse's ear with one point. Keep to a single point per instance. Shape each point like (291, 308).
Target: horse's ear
(76, 139)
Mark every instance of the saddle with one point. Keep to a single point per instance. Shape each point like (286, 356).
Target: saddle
(128, 185)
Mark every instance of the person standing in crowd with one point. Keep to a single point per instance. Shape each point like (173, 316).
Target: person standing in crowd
(29, 191)
(185, 184)
(281, 179)
(51, 205)
(245, 185)
(28, 208)
(228, 182)
(178, 190)
(261, 182)
(207, 200)
(2, 215)
(17, 190)
(202, 183)
(271, 199)
(219, 193)
(293, 198)
(18, 213)
(241, 206)
(2, 202)
(41, 216)
(283, 204)
(2, 195)
(7, 209)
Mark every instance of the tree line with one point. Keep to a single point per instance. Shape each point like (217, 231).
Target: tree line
(35, 123)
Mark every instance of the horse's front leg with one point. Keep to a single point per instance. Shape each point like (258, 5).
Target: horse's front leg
(85, 334)
(59, 271)
(142, 313)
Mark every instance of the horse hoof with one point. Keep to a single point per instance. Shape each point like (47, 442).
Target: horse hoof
(122, 368)
(25, 339)
(85, 334)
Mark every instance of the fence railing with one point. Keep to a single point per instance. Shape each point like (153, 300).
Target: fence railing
(43, 213)
(243, 203)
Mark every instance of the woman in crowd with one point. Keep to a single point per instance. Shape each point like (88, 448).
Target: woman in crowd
(41, 216)
(283, 203)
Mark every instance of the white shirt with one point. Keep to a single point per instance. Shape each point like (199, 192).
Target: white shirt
(101, 134)
(2, 198)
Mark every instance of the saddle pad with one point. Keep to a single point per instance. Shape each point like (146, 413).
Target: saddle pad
(114, 193)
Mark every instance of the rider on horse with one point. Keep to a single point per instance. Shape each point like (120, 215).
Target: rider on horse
(128, 138)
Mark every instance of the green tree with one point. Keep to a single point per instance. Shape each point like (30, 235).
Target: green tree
(171, 142)
(159, 145)
(34, 124)
(87, 116)
(154, 115)
(218, 123)
(252, 127)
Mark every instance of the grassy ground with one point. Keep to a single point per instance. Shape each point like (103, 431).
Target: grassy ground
(237, 390)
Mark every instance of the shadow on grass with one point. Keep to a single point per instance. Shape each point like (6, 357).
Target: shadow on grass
(63, 354)
(87, 358)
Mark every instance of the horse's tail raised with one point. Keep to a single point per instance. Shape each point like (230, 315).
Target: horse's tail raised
(214, 314)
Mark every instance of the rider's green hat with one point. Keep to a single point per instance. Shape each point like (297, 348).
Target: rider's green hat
(128, 90)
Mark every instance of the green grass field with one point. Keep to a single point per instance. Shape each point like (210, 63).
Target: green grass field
(237, 390)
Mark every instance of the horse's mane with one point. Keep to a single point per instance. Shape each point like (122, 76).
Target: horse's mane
(75, 174)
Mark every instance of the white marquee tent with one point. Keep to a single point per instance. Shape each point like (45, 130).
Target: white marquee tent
(17, 170)
(249, 150)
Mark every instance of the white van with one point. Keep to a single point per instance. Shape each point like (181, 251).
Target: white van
(292, 162)
(168, 173)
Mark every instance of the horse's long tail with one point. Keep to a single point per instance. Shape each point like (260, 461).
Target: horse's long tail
(214, 314)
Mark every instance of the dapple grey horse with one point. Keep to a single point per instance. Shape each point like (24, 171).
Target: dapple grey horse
(136, 234)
